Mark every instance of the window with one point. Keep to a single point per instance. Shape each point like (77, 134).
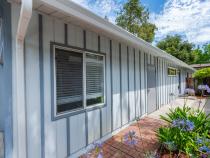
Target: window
(172, 71)
(80, 79)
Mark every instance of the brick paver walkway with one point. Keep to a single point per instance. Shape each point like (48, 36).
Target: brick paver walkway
(145, 130)
(147, 142)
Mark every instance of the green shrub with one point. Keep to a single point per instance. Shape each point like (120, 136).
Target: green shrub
(186, 126)
(202, 73)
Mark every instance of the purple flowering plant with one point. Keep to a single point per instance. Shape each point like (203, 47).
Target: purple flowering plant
(203, 144)
(187, 132)
(95, 150)
(184, 125)
(130, 138)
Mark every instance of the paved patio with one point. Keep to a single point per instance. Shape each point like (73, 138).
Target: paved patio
(145, 129)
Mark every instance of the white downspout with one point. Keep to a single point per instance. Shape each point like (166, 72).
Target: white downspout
(19, 107)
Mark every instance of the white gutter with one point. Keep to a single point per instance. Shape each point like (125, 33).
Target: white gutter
(19, 107)
(92, 19)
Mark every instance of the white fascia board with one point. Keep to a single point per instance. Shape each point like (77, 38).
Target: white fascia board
(24, 19)
(84, 15)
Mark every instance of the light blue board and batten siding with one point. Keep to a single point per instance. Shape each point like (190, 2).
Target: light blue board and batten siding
(126, 78)
(137, 83)
(55, 132)
(93, 117)
(124, 85)
(168, 84)
(143, 85)
(106, 111)
(116, 107)
(131, 84)
(32, 88)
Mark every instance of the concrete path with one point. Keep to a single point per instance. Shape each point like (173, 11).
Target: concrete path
(192, 102)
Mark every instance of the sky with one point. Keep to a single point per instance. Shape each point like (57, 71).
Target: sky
(188, 18)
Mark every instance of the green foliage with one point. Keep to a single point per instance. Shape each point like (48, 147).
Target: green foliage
(184, 50)
(175, 138)
(177, 113)
(134, 18)
(175, 46)
(202, 73)
(202, 55)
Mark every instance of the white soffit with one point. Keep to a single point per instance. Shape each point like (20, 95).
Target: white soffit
(71, 12)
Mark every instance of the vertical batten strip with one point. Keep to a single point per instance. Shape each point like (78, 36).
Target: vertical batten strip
(99, 50)
(111, 85)
(156, 80)
(41, 66)
(120, 65)
(145, 90)
(157, 83)
(128, 84)
(161, 65)
(67, 119)
(145, 80)
(86, 115)
(140, 113)
(134, 62)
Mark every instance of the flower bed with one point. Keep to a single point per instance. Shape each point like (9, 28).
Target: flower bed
(186, 134)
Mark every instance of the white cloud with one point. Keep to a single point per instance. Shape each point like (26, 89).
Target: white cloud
(101, 7)
(190, 18)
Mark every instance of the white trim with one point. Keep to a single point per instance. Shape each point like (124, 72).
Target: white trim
(104, 94)
(19, 107)
(85, 16)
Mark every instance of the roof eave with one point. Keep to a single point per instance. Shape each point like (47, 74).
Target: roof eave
(90, 18)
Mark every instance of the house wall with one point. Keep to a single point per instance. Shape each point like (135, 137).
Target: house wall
(6, 81)
(126, 88)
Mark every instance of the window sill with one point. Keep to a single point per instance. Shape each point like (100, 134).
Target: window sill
(78, 111)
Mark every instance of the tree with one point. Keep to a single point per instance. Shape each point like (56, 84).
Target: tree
(202, 56)
(175, 46)
(202, 73)
(205, 57)
(197, 53)
(134, 17)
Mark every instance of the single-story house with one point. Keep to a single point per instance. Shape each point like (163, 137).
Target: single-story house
(69, 77)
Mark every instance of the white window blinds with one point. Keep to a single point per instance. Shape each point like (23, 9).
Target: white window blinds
(69, 79)
(94, 79)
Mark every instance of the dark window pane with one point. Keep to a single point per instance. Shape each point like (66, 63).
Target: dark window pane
(69, 79)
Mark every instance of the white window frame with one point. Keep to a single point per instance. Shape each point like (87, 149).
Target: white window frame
(84, 106)
(173, 69)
